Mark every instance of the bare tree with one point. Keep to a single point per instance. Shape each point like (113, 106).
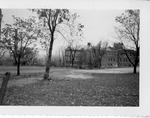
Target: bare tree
(76, 35)
(52, 18)
(18, 37)
(73, 53)
(55, 20)
(98, 52)
(128, 34)
(101, 50)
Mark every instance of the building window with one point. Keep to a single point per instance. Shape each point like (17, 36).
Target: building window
(120, 59)
(109, 64)
(124, 60)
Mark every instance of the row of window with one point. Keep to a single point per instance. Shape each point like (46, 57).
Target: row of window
(128, 65)
(68, 59)
(111, 59)
(120, 59)
(110, 64)
(115, 53)
(123, 60)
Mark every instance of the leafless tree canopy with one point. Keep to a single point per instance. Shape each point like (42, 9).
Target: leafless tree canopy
(18, 37)
(128, 34)
(55, 20)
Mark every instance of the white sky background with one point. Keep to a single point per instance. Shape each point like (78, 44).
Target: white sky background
(98, 24)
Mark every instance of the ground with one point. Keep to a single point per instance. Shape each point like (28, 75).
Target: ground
(69, 87)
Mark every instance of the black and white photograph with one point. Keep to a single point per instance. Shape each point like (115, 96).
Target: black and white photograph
(70, 57)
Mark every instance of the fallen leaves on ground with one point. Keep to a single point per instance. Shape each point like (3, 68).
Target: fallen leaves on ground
(101, 90)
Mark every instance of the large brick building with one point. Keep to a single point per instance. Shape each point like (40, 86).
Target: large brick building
(113, 57)
(78, 55)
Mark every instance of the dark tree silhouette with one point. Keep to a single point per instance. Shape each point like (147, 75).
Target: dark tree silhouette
(73, 53)
(55, 22)
(98, 52)
(51, 19)
(18, 37)
(128, 34)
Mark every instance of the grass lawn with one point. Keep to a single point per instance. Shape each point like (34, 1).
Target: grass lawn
(23, 69)
(101, 90)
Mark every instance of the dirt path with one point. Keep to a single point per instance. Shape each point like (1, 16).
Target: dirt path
(68, 74)
(110, 70)
(54, 75)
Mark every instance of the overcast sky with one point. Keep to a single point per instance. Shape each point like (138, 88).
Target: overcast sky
(98, 24)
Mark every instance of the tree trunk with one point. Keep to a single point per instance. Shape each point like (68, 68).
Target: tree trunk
(135, 65)
(18, 66)
(46, 75)
(72, 63)
(99, 63)
(134, 69)
(136, 61)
